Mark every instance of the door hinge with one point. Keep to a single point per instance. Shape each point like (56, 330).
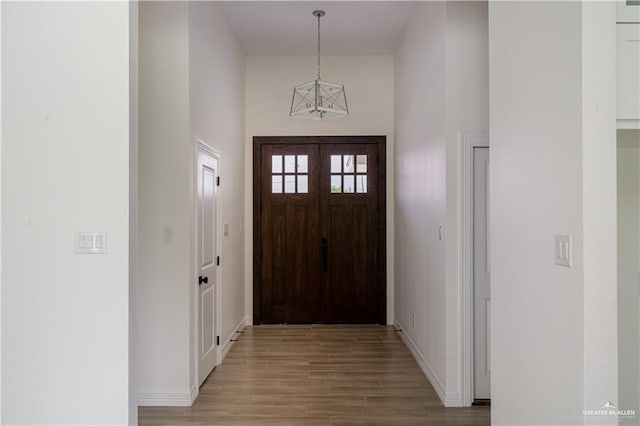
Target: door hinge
(218, 181)
(217, 260)
(217, 340)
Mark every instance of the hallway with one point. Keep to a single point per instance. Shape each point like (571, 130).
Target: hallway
(317, 375)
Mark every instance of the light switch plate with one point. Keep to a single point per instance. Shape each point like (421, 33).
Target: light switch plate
(91, 242)
(167, 234)
(563, 250)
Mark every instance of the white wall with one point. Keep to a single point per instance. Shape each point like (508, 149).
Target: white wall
(191, 86)
(420, 123)
(368, 82)
(0, 219)
(133, 205)
(553, 329)
(628, 267)
(163, 297)
(467, 109)
(65, 168)
(600, 311)
(536, 191)
(216, 80)
(441, 78)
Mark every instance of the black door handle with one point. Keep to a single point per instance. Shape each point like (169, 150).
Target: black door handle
(202, 280)
(324, 251)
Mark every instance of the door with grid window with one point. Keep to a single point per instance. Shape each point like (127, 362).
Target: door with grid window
(319, 230)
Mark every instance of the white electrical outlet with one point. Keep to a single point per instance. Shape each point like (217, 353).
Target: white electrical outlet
(563, 250)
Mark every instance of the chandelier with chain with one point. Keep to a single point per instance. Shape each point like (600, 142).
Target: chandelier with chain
(317, 99)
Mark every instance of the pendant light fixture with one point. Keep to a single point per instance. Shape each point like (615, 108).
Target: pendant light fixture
(317, 99)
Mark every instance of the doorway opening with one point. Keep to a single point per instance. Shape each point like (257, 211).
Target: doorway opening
(475, 292)
(481, 278)
(319, 229)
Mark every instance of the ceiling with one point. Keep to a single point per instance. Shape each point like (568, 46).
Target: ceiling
(279, 28)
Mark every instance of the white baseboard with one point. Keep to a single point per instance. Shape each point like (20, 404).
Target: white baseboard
(226, 346)
(435, 380)
(168, 398)
(248, 321)
(195, 391)
(452, 399)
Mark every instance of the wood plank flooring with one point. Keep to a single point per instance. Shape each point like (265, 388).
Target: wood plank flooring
(317, 375)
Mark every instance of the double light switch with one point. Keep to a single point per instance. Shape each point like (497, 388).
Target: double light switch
(563, 250)
(91, 242)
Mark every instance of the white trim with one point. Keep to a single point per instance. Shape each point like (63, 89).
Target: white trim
(168, 398)
(467, 142)
(219, 234)
(452, 399)
(628, 123)
(431, 374)
(226, 346)
(195, 391)
(248, 321)
(193, 262)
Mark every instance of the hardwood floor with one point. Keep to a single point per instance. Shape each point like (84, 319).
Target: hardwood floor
(317, 375)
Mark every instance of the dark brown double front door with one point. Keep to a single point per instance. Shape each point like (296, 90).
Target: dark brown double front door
(319, 230)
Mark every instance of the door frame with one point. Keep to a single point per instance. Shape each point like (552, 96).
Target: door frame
(258, 142)
(195, 228)
(467, 142)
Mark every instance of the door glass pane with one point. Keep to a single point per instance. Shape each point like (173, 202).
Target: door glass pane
(276, 164)
(289, 184)
(361, 184)
(276, 184)
(349, 186)
(349, 165)
(303, 184)
(336, 184)
(361, 164)
(289, 163)
(302, 163)
(336, 163)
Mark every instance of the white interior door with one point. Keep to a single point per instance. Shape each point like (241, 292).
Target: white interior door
(207, 262)
(481, 275)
